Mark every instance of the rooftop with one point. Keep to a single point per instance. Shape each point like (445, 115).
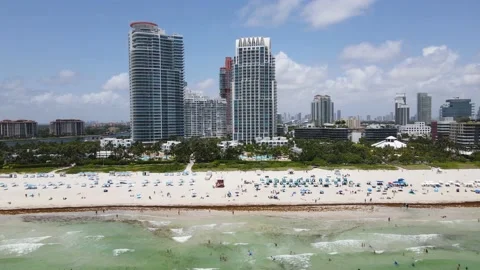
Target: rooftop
(133, 24)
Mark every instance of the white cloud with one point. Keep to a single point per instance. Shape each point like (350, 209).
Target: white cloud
(322, 13)
(264, 13)
(316, 13)
(117, 82)
(296, 82)
(370, 53)
(206, 84)
(93, 98)
(471, 74)
(104, 97)
(18, 101)
(64, 76)
(370, 89)
(435, 61)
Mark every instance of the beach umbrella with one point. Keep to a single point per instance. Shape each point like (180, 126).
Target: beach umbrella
(369, 189)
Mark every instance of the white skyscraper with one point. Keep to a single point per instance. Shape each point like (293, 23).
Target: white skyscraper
(254, 90)
(204, 116)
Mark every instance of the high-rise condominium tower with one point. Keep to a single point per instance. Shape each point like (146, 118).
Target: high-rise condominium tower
(225, 84)
(254, 90)
(322, 110)
(204, 116)
(424, 108)
(402, 110)
(156, 69)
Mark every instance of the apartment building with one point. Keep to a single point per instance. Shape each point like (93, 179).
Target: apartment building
(18, 129)
(67, 127)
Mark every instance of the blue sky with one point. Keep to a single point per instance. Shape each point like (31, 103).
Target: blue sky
(69, 58)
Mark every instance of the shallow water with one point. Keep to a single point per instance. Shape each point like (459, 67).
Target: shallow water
(138, 241)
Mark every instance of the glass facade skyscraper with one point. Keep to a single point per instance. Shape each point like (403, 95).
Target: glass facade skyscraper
(322, 110)
(225, 84)
(457, 108)
(156, 71)
(254, 90)
(424, 108)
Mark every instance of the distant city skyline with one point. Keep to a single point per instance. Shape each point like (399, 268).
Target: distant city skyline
(376, 48)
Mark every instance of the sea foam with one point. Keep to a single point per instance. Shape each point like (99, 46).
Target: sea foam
(177, 230)
(94, 237)
(20, 248)
(299, 261)
(339, 245)
(182, 239)
(419, 249)
(407, 237)
(118, 251)
(159, 223)
(203, 227)
(24, 240)
(300, 230)
(73, 232)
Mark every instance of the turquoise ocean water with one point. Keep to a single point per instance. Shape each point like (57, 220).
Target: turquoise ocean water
(242, 241)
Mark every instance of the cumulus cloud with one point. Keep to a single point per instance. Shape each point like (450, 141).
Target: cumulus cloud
(264, 13)
(322, 13)
(207, 87)
(19, 101)
(368, 52)
(316, 13)
(435, 61)
(296, 82)
(436, 71)
(93, 98)
(117, 82)
(64, 76)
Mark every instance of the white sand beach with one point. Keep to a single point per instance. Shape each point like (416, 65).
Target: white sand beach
(178, 189)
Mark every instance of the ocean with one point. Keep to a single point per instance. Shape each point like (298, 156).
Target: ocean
(222, 240)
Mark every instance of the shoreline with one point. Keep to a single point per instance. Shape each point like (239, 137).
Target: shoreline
(240, 208)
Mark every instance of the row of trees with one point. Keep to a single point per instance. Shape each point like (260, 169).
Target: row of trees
(78, 152)
(419, 150)
(207, 150)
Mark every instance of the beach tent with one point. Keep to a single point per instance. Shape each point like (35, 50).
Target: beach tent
(220, 183)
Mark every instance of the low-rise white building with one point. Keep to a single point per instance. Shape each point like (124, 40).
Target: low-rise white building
(390, 142)
(355, 136)
(272, 141)
(226, 144)
(104, 154)
(168, 145)
(416, 129)
(115, 142)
